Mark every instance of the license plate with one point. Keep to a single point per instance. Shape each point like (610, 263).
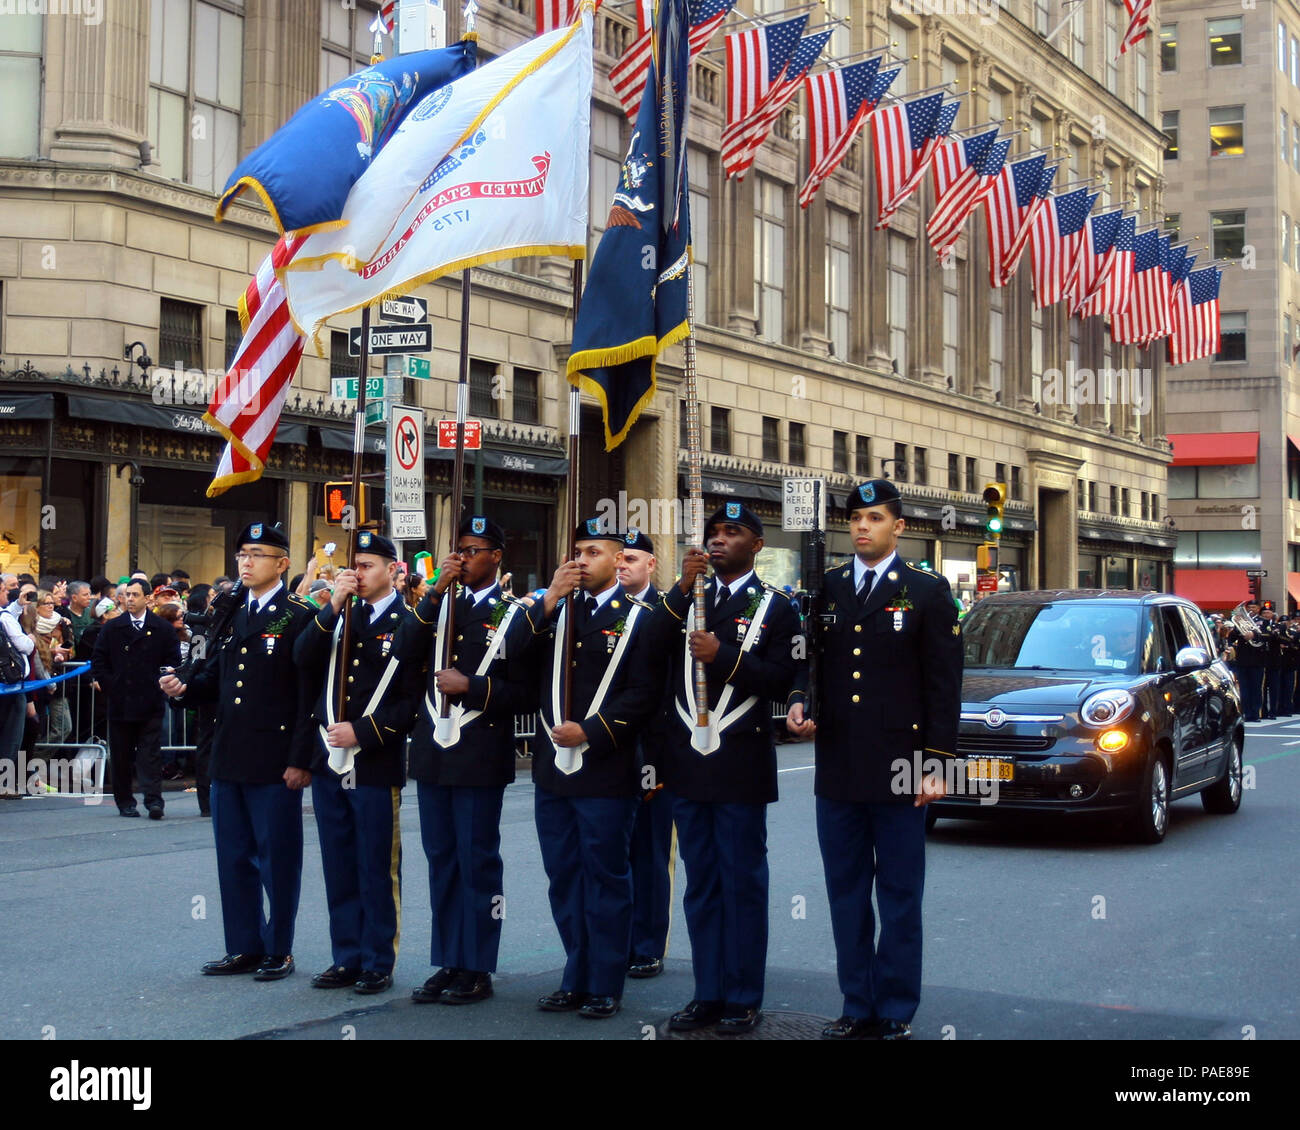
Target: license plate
(990, 769)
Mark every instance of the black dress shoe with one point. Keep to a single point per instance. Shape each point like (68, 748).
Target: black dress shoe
(372, 981)
(274, 967)
(891, 1030)
(128, 812)
(155, 811)
(562, 1001)
(850, 1028)
(737, 1018)
(335, 977)
(431, 990)
(600, 1008)
(696, 1015)
(468, 988)
(641, 967)
(233, 963)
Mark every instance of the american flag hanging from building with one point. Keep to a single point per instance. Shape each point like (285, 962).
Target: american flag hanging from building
(1055, 238)
(1096, 254)
(756, 59)
(246, 403)
(1008, 208)
(903, 136)
(1139, 23)
(627, 76)
(1112, 296)
(552, 14)
(839, 102)
(962, 173)
(1196, 317)
(1136, 322)
(778, 97)
(1164, 288)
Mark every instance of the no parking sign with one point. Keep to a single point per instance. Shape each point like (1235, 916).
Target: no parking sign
(406, 473)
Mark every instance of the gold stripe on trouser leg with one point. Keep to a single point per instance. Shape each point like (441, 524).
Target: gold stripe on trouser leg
(672, 884)
(395, 867)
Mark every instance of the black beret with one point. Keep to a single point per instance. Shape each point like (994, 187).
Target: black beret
(636, 539)
(477, 526)
(597, 529)
(263, 533)
(737, 513)
(370, 542)
(874, 492)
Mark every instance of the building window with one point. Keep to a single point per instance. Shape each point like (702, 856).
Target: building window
(683, 426)
(900, 462)
(1232, 337)
(698, 171)
(1016, 484)
(840, 452)
(1228, 232)
(1146, 507)
(1112, 47)
(482, 389)
(180, 334)
(1286, 339)
(954, 471)
(1042, 16)
(194, 109)
(1170, 226)
(234, 335)
(1281, 47)
(1168, 48)
(1295, 61)
(1227, 131)
(997, 341)
(1169, 123)
(342, 364)
(345, 40)
(1092, 497)
(526, 400)
(771, 439)
(1235, 480)
(862, 457)
(1143, 102)
(1125, 508)
(720, 430)
(1114, 500)
(1225, 42)
(896, 300)
(798, 448)
(1286, 239)
(769, 259)
(999, 472)
(1036, 345)
(1078, 494)
(20, 80)
(839, 279)
(1295, 146)
(920, 475)
(1217, 549)
(606, 161)
(972, 481)
(952, 323)
(1284, 146)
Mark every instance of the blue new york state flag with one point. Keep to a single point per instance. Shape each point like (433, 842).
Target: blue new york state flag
(304, 171)
(635, 302)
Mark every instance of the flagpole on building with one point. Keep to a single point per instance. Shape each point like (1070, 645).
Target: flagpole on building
(575, 428)
(358, 450)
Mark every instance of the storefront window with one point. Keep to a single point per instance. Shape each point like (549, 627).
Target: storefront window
(1150, 576)
(1117, 573)
(20, 516)
(1089, 572)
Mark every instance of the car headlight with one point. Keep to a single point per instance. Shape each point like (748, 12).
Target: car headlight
(1105, 708)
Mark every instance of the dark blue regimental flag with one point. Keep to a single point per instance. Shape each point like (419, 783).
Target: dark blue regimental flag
(635, 302)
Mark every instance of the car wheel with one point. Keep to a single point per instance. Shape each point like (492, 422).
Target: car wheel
(931, 817)
(1150, 818)
(1224, 796)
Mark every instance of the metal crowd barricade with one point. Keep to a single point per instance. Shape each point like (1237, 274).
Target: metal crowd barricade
(71, 755)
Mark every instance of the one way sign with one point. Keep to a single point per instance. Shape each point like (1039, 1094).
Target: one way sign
(393, 339)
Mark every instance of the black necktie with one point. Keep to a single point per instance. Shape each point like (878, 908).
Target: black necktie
(864, 588)
(363, 615)
(723, 593)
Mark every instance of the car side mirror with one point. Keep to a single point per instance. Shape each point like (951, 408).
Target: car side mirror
(1191, 659)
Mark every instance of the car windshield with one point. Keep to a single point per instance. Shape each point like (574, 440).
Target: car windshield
(1071, 635)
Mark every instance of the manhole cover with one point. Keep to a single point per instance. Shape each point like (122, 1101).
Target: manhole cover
(772, 1026)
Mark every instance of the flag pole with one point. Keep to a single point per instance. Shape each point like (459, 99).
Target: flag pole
(575, 427)
(358, 449)
(695, 488)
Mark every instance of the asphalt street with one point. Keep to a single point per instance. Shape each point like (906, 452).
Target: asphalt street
(1031, 932)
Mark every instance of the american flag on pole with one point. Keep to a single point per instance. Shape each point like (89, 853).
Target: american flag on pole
(962, 173)
(839, 101)
(1055, 238)
(383, 20)
(1008, 209)
(1139, 20)
(756, 60)
(627, 76)
(1096, 254)
(904, 136)
(1112, 296)
(246, 404)
(1196, 317)
(552, 14)
(1136, 323)
(1164, 291)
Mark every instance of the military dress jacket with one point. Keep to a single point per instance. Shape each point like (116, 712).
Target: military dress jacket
(381, 732)
(263, 698)
(126, 663)
(609, 764)
(890, 682)
(743, 769)
(485, 753)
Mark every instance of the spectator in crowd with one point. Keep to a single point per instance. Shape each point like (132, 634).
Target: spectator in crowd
(101, 587)
(13, 707)
(80, 612)
(160, 581)
(415, 586)
(9, 590)
(128, 655)
(45, 626)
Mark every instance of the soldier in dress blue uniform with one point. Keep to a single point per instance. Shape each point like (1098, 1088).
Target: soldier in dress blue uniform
(261, 754)
(359, 765)
(585, 773)
(722, 781)
(462, 770)
(890, 701)
(654, 841)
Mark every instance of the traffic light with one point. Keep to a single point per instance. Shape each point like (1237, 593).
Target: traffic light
(995, 498)
(339, 510)
(984, 557)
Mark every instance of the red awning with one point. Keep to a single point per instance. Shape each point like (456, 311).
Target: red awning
(1214, 449)
(1213, 589)
(1293, 586)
